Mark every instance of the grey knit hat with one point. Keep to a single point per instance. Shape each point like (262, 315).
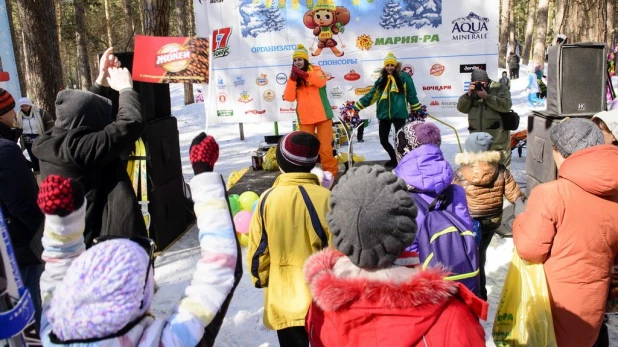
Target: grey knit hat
(372, 216)
(574, 134)
(478, 142)
(479, 75)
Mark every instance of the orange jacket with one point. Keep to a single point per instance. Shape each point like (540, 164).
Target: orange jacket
(571, 225)
(312, 105)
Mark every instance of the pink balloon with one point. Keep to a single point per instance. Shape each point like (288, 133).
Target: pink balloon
(242, 220)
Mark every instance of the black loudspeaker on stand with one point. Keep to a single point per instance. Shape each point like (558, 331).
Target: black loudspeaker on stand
(576, 87)
(170, 210)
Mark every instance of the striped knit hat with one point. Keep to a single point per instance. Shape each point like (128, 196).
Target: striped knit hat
(301, 52)
(7, 103)
(297, 152)
(390, 59)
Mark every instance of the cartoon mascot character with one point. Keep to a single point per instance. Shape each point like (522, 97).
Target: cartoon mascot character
(326, 20)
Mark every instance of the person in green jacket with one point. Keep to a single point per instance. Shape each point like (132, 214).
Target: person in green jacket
(483, 106)
(392, 91)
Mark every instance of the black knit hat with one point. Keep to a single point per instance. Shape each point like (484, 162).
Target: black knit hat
(7, 102)
(298, 152)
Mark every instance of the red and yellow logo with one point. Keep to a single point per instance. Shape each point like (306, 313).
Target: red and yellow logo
(437, 69)
(173, 57)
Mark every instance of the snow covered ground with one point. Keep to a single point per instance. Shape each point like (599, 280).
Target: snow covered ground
(243, 323)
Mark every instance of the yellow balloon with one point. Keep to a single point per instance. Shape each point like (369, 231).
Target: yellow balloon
(243, 239)
(247, 199)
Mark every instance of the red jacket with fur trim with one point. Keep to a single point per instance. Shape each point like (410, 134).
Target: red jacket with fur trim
(392, 307)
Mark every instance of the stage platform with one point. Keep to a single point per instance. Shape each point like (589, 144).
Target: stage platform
(261, 180)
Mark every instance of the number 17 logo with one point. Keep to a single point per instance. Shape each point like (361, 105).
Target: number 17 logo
(220, 38)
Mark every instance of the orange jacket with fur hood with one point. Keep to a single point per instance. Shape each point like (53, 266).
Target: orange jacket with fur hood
(394, 307)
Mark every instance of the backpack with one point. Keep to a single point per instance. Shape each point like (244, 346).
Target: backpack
(443, 240)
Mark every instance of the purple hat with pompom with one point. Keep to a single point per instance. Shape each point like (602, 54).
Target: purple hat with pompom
(414, 135)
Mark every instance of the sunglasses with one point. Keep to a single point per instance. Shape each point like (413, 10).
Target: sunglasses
(146, 243)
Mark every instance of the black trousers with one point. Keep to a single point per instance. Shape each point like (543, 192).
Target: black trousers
(514, 73)
(34, 160)
(488, 229)
(360, 132)
(384, 130)
(293, 337)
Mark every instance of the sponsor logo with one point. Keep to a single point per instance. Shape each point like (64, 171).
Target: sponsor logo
(351, 76)
(403, 40)
(287, 110)
(277, 48)
(269, 95)
(225, 113)
(282, 78)
(434, 103)
(466, 86)
(472, 27)
(336, 93)
(222, 97)
(220, 38)
(448, 104)
(437, 88)
(239, 81)
(362, 91)
(364, 42)
(337, 62)
(220, 83)
(376, 74)
(262, 80)
(468, 68)
(409, 69)
(255, 112)
(244, 97)
(436, 70)
(173, 57)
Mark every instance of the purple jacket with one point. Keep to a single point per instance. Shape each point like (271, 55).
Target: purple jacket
(425, 169)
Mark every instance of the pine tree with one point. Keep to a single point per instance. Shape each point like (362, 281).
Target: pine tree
(392, 17)
(420, 13)
(251, 18)
(273, 19)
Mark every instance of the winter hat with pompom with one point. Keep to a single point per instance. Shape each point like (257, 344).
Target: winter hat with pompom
(372, 217)
(414, 135)
(102, 291)
(301, 52)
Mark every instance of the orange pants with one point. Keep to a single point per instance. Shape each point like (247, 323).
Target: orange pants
(324, 133)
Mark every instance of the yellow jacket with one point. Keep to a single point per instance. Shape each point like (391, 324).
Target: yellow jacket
(280, 243)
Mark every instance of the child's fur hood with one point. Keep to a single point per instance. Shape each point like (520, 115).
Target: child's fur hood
(337, 284)
(469, 158)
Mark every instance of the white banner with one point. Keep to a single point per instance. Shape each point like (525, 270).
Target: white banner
(439, 42)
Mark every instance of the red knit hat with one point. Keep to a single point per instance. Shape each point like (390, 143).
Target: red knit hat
(298, 152)
(7, 103)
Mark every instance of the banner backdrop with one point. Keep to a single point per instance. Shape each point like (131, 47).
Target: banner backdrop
(439, 43)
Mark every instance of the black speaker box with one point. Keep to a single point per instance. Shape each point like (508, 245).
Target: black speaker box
(163, 150)
(576, 79)
(155, 98)
(170, 212)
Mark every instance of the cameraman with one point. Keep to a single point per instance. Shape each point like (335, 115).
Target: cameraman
(483, 103)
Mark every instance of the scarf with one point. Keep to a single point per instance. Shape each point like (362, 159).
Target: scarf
(391, 87)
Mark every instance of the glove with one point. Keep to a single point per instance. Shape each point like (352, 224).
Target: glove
(203, 153)
(300, 73)
(60, 196)
(293, 76)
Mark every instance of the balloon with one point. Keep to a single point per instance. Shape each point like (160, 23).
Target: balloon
(243, 239)
(254, 206)
(242, 220)
(246, 200)
(234, 204)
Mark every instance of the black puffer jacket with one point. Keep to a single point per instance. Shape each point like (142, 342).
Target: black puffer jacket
(85, 144)
(18, 194)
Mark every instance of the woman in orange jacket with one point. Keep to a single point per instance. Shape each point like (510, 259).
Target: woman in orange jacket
(307, 86)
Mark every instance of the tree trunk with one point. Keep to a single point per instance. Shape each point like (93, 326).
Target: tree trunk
(140, 4)
(611, 22)
(525, 55)
(17, 49)
(504, 33)
(191, 10)
(541, 32)
(512, 26)
(129, 23)
(584, 21)
(82, 46)
(156, 17)
(108, 24)
(181, 21)
(44, 68)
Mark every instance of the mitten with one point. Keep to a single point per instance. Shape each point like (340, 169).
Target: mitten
(203, 153)
(300, 73)
(293, 76)
(60, 196)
